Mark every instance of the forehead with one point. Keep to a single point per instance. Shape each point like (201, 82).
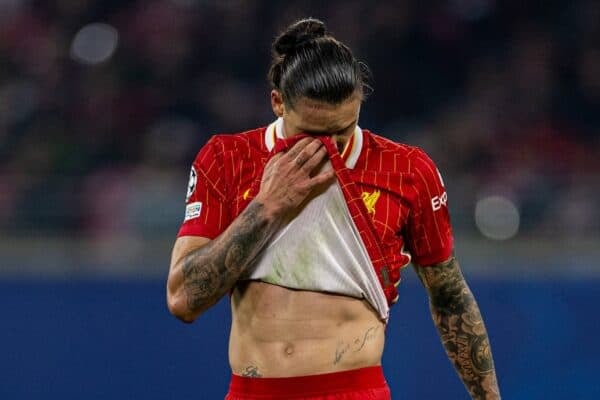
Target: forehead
(315, 115)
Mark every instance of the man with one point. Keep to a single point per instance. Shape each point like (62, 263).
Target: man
(306, 224)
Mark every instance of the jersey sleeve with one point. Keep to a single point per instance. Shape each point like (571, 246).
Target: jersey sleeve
(429, 231)
(206, 210)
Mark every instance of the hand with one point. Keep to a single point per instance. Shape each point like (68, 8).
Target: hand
(290, 176)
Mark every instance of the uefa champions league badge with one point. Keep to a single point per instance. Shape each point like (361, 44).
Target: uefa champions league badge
(191, 184)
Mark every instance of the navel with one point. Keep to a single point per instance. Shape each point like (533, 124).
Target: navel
(289, 349)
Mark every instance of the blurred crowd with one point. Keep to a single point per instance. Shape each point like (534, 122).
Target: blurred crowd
(104, 104)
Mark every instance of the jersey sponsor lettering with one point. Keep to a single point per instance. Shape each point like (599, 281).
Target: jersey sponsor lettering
(440, 201)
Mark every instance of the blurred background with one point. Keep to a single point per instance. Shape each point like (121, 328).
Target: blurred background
(104, 104)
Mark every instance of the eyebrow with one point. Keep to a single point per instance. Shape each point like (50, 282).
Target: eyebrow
(329, 131)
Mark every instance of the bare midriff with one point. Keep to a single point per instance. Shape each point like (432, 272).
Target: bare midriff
(280, 332)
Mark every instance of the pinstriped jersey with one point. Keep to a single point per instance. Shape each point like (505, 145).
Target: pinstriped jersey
(401, 189)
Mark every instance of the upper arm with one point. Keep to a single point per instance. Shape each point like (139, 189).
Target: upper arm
(183, 246)
(207, 212)
(206, 216)
(428, 232)
(446, 286)
(176, 296)
(437, 275)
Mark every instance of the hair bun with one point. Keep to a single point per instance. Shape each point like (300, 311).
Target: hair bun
(298, 34)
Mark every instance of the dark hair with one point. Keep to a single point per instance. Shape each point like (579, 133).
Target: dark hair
(309, 62)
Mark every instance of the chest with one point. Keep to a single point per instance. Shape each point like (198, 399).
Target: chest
(384, 194)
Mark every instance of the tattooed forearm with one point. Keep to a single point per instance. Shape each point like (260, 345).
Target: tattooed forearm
(211, 271)
(460, 325)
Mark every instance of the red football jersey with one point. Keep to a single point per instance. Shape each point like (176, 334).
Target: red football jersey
(400, 186)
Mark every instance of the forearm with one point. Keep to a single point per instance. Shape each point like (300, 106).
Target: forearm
(201, 273)
(204, 275)
(466, 341)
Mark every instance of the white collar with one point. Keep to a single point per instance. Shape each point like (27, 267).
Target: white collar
(350, 155)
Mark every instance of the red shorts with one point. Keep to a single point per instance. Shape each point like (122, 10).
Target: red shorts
(364, 384)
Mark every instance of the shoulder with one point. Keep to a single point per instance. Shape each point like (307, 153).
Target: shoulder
(223, 147)
(239, 141)
(401, 157)
(247, 144)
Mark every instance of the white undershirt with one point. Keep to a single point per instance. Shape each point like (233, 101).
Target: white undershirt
(321, 250)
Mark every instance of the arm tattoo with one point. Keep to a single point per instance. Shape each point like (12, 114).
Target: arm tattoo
(458, 320)
(210, 271)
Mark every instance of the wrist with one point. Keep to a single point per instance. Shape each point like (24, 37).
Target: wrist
(269, 209)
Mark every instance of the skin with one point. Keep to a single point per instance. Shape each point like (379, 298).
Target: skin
(458, 320)
(283, 332)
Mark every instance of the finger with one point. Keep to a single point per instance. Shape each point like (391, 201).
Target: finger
(308, 152)
(299, 146)
(322, 177)
(276, 157)
(315, 160)
(273, 159)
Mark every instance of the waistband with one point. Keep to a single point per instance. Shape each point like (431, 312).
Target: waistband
(345, 381)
